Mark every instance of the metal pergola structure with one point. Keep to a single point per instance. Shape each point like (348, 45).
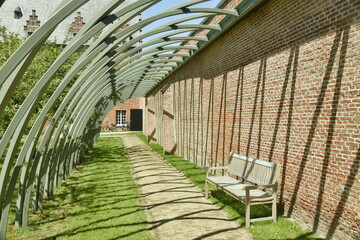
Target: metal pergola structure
(107, 65)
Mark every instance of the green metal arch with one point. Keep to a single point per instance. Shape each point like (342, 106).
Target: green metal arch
(29, 186)
(6, 169)
(105, 72)
(5, 138)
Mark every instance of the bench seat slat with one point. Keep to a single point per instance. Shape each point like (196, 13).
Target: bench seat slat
(256, 195)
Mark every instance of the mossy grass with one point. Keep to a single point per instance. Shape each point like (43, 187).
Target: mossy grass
(284, 228)
(98, 201)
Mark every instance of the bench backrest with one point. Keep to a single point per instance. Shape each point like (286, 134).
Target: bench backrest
(253, 170)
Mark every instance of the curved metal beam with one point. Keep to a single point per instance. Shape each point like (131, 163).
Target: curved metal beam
(5, 169)
(19, 60)
(106, 65)
(81, 38)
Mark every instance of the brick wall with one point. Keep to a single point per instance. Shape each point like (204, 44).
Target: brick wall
(134, 103)
(282, 85)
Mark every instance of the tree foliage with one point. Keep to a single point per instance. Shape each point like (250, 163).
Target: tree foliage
(9, 42)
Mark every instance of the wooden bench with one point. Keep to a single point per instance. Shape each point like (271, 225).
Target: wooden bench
(256, 183)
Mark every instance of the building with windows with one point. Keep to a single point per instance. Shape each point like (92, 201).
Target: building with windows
(125, 116)
(24, 17)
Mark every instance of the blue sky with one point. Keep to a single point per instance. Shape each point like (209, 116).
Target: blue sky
(166, 4)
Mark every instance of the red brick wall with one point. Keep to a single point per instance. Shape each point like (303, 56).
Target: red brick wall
(283, 86)
(134, 103)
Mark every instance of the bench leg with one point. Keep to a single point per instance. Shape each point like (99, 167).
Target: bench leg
(274, 211)
(247, 215)
(206, 190)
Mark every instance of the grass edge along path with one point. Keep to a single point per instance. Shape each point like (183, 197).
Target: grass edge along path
(99, 200)
(284, 228)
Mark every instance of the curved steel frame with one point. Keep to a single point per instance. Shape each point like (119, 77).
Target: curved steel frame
(104, 70)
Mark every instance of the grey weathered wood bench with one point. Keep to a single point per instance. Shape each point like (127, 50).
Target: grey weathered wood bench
(253, 182)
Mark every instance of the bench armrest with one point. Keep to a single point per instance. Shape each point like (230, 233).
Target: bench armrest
(208, 169)
(213, 168)
(248, 188)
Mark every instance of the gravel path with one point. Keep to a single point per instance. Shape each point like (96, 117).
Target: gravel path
(176, 208)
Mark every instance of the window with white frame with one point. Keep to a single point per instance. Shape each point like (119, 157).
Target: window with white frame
(120, 117)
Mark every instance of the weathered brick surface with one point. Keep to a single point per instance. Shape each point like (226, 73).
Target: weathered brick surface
(282, 85)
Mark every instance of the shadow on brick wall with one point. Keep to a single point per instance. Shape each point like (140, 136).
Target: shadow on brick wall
(151, 136)
(344, 195)
(340, 37)
(291, 68)
(220, 131)
(206, 134)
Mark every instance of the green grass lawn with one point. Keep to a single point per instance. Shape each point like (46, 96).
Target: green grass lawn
(283, 229)
(98, 201)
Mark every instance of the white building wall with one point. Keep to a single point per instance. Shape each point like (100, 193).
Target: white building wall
(44, 9)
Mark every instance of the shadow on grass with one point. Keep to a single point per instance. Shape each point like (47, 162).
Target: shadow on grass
(282, 229)
(98, 201)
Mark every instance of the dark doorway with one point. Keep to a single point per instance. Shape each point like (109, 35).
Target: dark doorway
(136, 117)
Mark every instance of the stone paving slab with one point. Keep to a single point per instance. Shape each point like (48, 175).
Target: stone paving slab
(175, 207)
